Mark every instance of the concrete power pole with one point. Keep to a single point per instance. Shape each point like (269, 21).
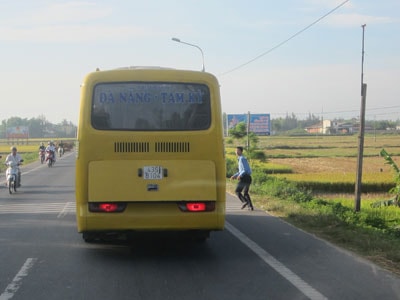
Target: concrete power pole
(248, 132)
(358, 185)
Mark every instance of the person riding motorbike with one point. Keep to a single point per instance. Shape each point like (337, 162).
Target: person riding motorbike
(16, 158)
(42, 152)
(60, 148)
(50, 148)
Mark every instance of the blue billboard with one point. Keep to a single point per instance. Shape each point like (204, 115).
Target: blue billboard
(260, 124)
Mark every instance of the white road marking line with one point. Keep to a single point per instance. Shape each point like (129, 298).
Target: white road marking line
(69, 206)
(299, 283)
(61, 208)
(13, 287)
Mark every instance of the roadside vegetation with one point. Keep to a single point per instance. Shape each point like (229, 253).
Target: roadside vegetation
(309, 182)
(29, 150)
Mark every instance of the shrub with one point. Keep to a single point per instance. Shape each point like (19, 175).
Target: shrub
(258, 154)
(231, 167)
(259, 176)
(375, 221)
(229, 141)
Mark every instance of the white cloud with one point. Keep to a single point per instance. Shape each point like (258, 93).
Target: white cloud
(301, 90)
(345, 20)
(345, 15)
(72, 33)
(62, 13)
(318, 4)
(67, 22)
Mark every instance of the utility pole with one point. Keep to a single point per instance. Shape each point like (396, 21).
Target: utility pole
(248, 132)
(322, 120)
(357, 200)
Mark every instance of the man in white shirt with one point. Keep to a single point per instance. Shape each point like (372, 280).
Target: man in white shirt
(16, 158)
(50, 147)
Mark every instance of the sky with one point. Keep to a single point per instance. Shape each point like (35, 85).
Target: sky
(47, 47)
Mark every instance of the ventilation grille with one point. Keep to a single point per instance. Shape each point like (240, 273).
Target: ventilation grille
(172, 147)
(131, 147)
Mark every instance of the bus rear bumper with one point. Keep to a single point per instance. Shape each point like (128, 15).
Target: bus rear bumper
(151, 216)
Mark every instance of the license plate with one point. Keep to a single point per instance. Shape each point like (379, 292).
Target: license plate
(152, 172)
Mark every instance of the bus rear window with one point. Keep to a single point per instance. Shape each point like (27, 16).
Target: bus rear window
(151, 106)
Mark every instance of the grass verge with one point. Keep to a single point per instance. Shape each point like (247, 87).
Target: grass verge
(367, 234)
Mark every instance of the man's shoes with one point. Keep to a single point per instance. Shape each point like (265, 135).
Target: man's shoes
(245, 204)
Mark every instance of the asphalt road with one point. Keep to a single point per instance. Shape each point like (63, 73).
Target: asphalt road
(257, 256)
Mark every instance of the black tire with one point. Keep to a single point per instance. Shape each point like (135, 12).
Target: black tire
(88, 237)
(10, 186)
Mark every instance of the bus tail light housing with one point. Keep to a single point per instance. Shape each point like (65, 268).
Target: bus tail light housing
(107, 207)
(197, 206)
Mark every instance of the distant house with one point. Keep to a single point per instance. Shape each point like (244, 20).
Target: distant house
(321, 127)
(316, 128)
(332, 127)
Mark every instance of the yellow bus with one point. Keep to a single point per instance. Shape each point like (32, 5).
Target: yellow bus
(150, 154)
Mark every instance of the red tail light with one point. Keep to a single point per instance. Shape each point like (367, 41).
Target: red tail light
(107, 207)
(197, 206)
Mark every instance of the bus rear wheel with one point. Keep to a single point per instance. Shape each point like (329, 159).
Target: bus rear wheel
(88, 237)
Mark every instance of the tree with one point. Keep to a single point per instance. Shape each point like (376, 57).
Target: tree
(36, 128)
(239, 131)
(39, 127)
(285, 124)
(395, 200)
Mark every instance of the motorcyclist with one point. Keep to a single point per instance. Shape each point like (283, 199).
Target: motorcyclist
(16, 158)
(42, 152)
(60, 146)
(50, 148)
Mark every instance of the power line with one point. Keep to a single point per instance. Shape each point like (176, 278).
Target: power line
(385, 114)
(369, 111)
(357, 110)
(285, 41)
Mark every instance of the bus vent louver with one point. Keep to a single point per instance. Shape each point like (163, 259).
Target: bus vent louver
(131, 147)
(172, 147)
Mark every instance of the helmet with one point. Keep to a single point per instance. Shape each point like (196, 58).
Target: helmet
(48, 143)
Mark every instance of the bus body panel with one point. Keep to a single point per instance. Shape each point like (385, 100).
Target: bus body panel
(108, 161)
(124, 180)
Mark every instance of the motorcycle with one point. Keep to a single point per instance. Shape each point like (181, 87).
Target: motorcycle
(12, 175)
(42, 155)
(49, 158)
(60, 151)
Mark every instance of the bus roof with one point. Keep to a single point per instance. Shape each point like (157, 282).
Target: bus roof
(144, 68)
(148, 73)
